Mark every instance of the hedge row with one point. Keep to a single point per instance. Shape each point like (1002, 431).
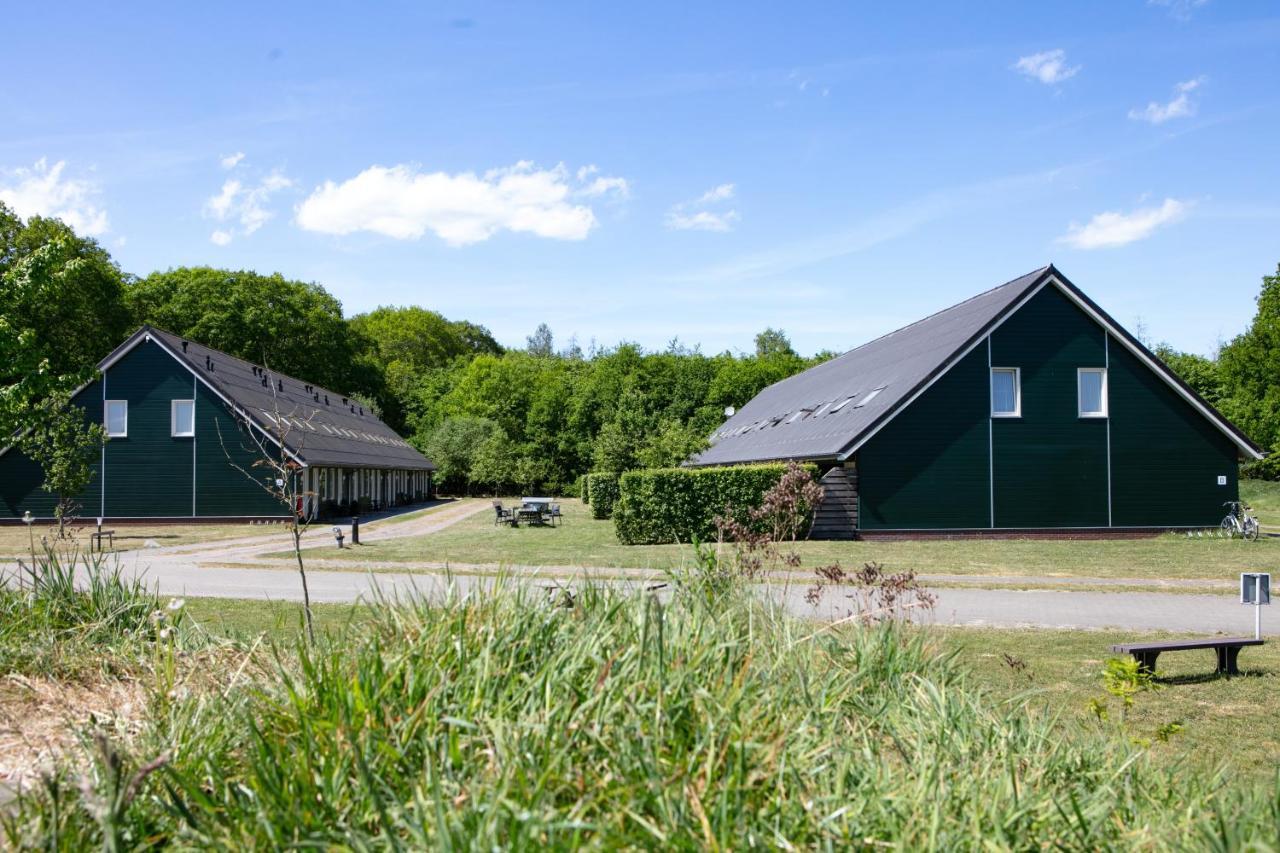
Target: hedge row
(679, 504)
(583, 491)
(603, 491)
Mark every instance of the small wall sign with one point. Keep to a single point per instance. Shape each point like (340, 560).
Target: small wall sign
(1222, 479)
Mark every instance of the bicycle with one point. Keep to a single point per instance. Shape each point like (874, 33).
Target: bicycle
(1238, 522)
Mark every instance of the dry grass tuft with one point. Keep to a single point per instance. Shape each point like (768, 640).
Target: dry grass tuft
(42, 721)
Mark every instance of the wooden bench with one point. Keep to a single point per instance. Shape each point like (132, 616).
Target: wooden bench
(1227, 648)
(98, 535)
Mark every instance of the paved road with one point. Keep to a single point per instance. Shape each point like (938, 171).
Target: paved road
(193, 570)
(1065, 608)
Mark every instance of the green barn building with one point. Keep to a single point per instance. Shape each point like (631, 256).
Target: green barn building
(1024, 409)
(180, 419)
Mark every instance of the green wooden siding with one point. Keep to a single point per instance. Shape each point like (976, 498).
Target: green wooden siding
(220, 442)
(1154, 462)
(928, 468)
(148, 473)
(1165, 456)
(20, 478)
(1050, 465)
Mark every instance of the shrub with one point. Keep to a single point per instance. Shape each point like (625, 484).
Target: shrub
(583, 491)
(603, 489)
(681, 504)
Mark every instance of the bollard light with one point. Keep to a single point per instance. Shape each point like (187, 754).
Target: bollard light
(337, 534)
(27, 519)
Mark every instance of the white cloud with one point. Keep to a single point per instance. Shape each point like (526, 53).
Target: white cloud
(603, 186)
(43, 191)
(720, 193)
(1180, 9)
(694, 216)
(1048, 67)
(703, 220)
(1180, 107)
(230, 161)
(404, 203)
(244, 205)
(1113, 228)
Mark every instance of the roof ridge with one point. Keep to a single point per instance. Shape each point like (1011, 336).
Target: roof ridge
(223, 353)
(987, 292)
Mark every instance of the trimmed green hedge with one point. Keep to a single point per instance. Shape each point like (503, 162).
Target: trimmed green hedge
(678, 504)
(583, 491)
(603, 491)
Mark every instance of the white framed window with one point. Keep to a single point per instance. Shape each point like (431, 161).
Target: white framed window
(182, 418)
(1092, 384)
(1006, 392)
(116, 418)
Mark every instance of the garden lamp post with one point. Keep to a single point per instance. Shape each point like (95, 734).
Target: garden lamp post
(337, 534)
(28, 520)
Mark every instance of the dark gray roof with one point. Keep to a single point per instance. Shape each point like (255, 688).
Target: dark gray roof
(323, 429)
(818, 413)
(832, 407)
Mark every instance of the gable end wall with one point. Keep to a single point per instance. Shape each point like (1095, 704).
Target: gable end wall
(944, 464)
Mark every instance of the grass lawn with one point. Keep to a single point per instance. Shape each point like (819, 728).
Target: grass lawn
(1062, 669)
(1226, 720)
(583, 541)
(279, 620)
(1263, 496)
(14, 540)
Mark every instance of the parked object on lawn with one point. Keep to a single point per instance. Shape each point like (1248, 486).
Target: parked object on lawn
(1227, 650)
(502, 515)
(1024, 410)
(1238, 522)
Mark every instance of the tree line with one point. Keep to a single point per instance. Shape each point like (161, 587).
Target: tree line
(492, 419)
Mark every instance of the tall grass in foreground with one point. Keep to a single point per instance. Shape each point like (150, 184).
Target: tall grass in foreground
(54, 625)
(612, 721)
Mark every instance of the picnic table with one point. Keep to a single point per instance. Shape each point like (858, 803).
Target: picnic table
(538, 510)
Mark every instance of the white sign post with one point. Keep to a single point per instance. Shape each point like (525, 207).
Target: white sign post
(1255, 589)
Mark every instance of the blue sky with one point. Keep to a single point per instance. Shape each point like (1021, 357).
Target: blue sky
(649, 171)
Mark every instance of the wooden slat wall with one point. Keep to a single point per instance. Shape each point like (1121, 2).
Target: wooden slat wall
(837, 515)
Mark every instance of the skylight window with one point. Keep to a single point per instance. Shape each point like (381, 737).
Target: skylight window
(867, 399)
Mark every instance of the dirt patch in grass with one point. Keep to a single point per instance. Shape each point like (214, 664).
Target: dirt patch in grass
(42, 721)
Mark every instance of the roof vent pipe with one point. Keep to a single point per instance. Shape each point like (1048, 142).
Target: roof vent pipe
(326, 399)
(184, 346)
(280, 384)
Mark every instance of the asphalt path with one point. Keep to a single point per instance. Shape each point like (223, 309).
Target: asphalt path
(1006, 608)
(193, 570)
